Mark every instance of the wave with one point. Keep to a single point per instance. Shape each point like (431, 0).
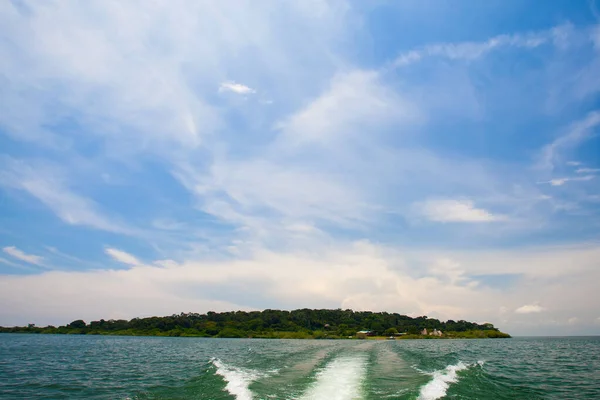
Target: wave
(437, 387)
(238, 380)
(341, 379)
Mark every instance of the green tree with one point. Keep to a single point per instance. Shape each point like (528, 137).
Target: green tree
(77, 324)
(391, 332)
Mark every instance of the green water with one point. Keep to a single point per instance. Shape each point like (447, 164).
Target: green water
(100, 367)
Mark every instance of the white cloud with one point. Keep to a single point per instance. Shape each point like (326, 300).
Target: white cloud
(473, 50)
(529, 309)
(122, 256)
(562, 181)
(587, 170)
(236, 88)
(30, 258)
(573, 163)
(558, 182)
(456, 211)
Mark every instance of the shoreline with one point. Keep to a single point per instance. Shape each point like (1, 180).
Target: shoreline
(275, 335)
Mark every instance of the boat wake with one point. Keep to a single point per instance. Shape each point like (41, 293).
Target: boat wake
(438, 386)
(237, 380)
(341, 379)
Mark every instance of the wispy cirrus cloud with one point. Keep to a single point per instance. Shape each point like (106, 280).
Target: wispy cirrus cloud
(122, 257)
(353, 102)
(21, 255)
(473, 50)
(575, 134)
(46, 183)
(15, 265)
(276, 183)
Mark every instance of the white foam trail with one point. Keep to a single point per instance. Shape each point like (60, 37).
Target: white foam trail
(437, 387)
(340, 380)
(238, 380)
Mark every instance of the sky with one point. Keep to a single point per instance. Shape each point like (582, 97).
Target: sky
(437, 158)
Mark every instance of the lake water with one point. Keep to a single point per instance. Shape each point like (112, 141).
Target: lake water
(102, 367)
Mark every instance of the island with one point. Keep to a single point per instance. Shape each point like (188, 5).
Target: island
(279, 324)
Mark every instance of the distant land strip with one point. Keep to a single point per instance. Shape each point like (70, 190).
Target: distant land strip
(278, 324)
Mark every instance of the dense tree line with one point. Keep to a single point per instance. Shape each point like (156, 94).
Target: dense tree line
(304, 323)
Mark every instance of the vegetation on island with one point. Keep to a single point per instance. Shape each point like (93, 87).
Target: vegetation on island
(297, 324)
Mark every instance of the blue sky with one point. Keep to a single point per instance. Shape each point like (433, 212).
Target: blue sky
(425, 157)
